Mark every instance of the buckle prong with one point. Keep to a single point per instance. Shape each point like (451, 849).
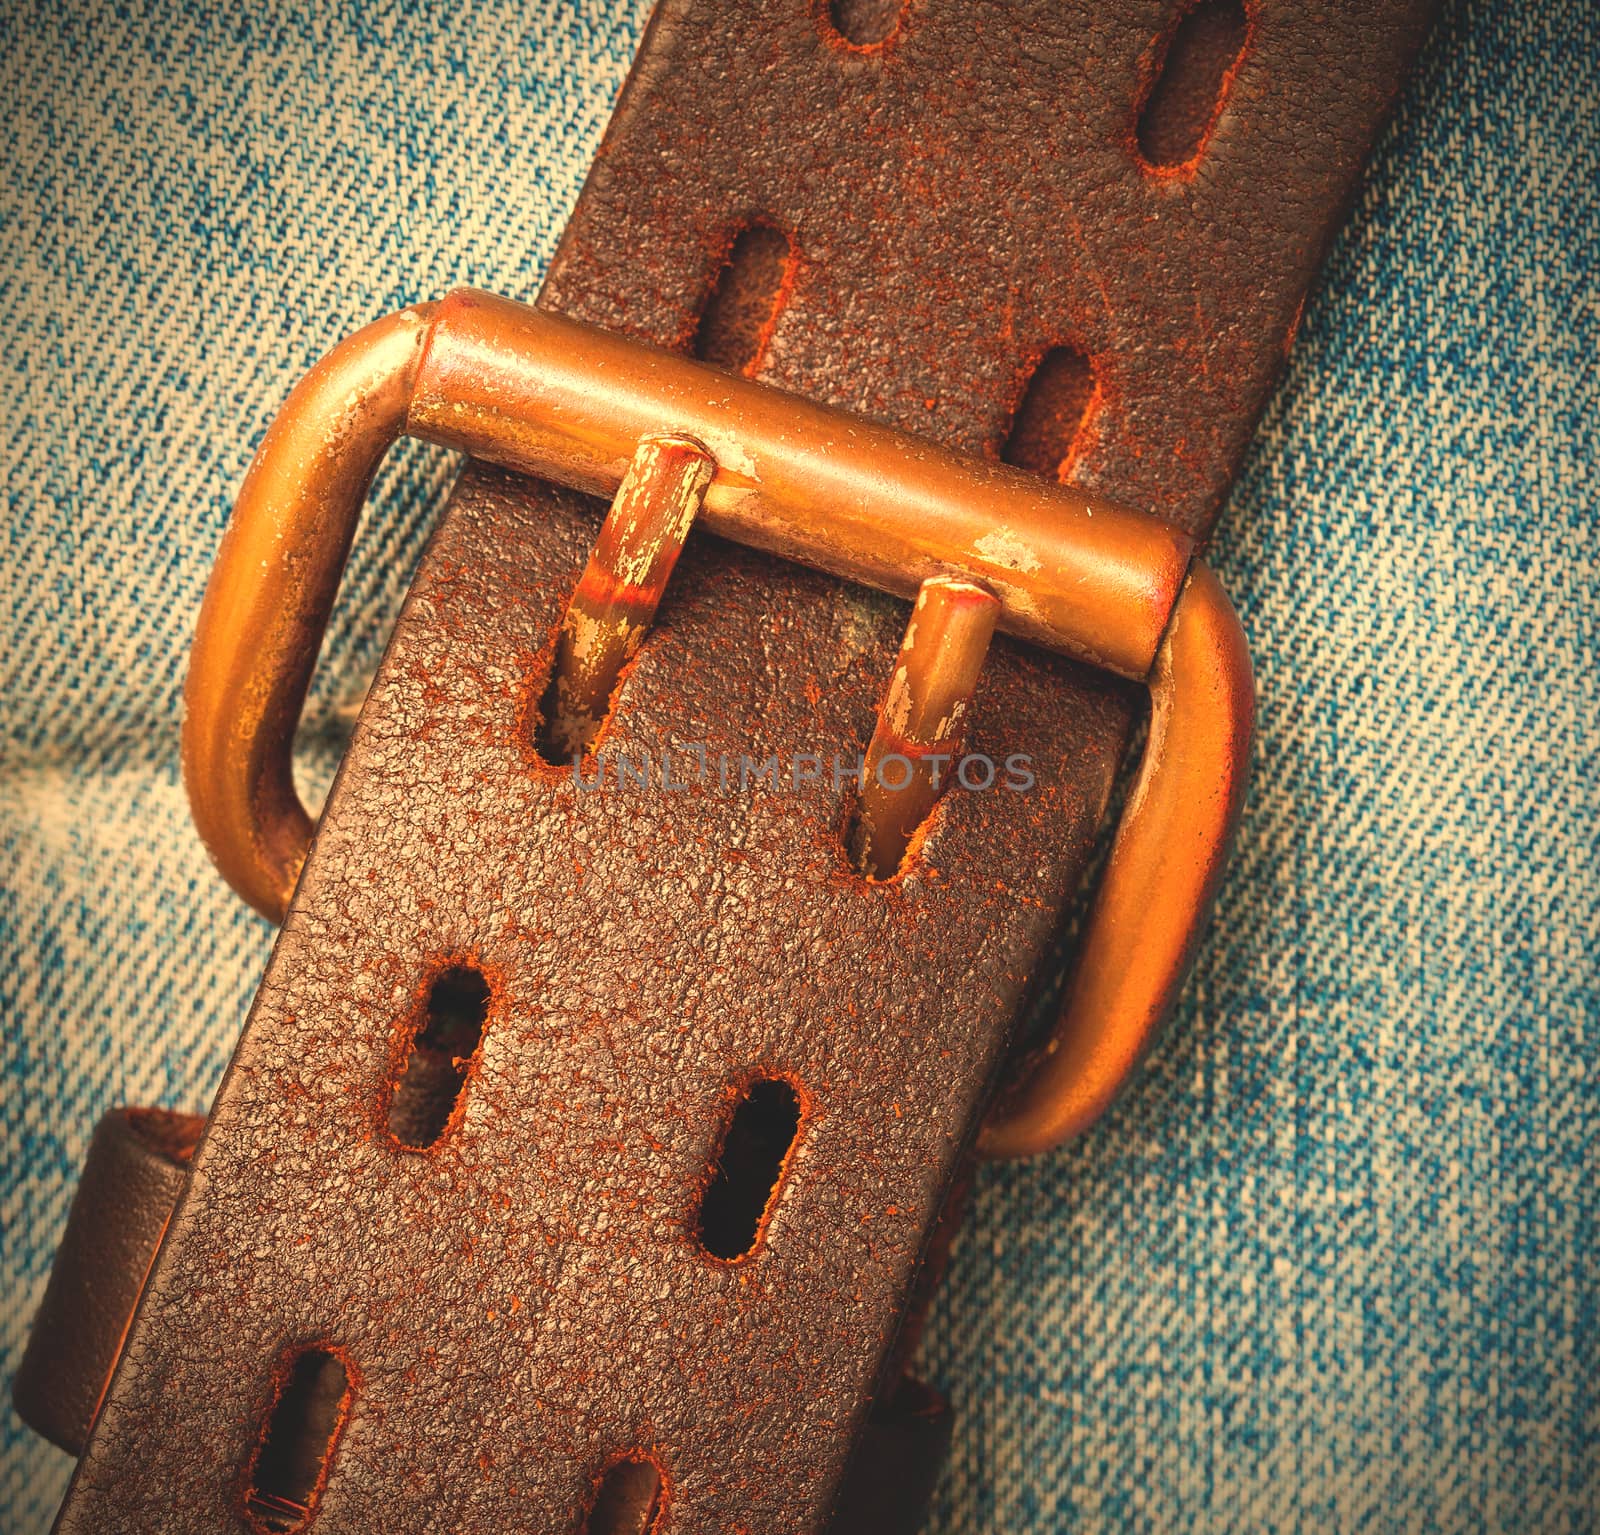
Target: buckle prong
(922, 721)
(621, 587)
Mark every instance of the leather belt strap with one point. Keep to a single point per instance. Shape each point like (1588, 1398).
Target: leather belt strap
(132, 1175)
(1023, 230)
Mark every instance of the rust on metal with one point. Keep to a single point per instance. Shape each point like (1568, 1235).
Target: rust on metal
(617, 595)
(534, 392)
(916, 747)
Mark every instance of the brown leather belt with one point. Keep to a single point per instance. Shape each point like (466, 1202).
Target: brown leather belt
(582, 1149)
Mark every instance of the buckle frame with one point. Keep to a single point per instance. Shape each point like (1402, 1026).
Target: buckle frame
(551, 397)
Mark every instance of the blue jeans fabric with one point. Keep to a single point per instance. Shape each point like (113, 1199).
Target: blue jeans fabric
(1331, 1263)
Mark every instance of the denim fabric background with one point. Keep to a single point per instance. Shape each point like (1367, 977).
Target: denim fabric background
(1332, 1262)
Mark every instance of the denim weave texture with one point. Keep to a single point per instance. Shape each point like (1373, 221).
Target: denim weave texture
(1331, 1261)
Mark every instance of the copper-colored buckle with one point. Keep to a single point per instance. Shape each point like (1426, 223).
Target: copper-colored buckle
(534, 392)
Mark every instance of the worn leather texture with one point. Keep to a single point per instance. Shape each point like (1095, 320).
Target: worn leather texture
(132, 1173)
(132, 1176)
(527, 1300)
(970, 195)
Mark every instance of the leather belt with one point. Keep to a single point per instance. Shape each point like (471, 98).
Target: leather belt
(582, 1149)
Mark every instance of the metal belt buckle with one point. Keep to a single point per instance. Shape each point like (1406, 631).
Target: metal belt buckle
(678, 441)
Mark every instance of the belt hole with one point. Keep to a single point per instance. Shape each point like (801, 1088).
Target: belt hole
(1192, 70)
(629, 1498)
(445, 1036)
(289, 1469)
(751, 1161)
(1047, 432)
(866, 23)
(746, 299)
